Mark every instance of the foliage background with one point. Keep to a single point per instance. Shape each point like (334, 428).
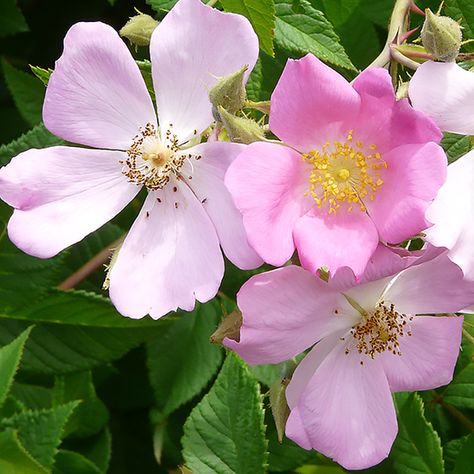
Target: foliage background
(83, 390)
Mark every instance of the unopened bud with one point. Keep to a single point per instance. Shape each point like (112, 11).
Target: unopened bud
(441, 36)
(279, 406)
(241, 129)
(229, 327)
(229, 93)
(138, 29)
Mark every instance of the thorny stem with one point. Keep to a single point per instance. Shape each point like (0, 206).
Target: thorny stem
(463, 419)
(402, 59)
(396, 27)
(91, 266)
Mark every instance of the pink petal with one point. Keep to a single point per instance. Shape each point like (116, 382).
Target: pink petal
(413, 176)
(285, 311)
(190, 48)
(346, 411)
(344, 239)
(170, 258)
(452, 215)
(311, 104)
(61, 195)
(445, 92)
(96, 95)
(207, 183)
(435, 286)
(428, 355)
(386, 122)
(267, 183)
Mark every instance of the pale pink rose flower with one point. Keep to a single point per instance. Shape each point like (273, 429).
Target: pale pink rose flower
(97, 97)
(371, 339)
(360, 168)
(445, 92)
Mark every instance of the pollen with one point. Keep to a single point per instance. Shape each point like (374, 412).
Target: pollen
(344, 173)
(150, 161)
(380, 331)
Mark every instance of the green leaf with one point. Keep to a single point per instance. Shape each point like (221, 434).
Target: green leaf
(64, 348)
(417, 448)
(37, 137)
(182, 361)
(14, 459)
(261, 14)
(465, 457)
(32, 396)
(160, 5)
(40, 431)
(339, 11)
(11, 20)
(451, 452)
(27, 93)
(225, 432)
(455, 145)
(91, 416)
(10, 356)
(79, 308)
(98, 449)
(301, 29)
(69, 462)
(462, 10)
(460, 392)
(23, 278)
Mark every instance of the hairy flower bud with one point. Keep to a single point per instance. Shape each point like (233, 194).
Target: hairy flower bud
(441, 36)
(138, 29)
(241, 129)
(229, 93)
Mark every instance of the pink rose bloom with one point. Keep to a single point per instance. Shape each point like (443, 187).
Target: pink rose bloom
(360, 168)
(445, 92)
(372, 339)
(97, 97)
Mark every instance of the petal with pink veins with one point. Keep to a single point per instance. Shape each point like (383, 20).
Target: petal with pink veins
(344, 239)
(435, 286)
(96, 95)
(285, 311)
(190, 49)
(346, 410)
(444, 92)
(206, 179)
(452, 214)
(411, 181)
(268, 183)
(311, 104)
(170, 257)
(61, 194)
(386, 122)
(428, 356)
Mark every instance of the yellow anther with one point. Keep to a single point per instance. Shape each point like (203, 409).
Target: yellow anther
(343, 174)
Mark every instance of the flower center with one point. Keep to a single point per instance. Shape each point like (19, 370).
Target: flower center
(344, 173)
(150, 161)
(380, 330)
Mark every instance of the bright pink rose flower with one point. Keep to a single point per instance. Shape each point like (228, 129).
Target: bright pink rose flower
(372, 339)
(360, 168)
(97, 97)
(445, 92)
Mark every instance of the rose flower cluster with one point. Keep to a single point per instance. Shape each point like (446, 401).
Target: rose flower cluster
(350, 177)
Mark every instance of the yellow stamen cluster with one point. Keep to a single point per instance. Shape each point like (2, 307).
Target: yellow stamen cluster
(151, 162)
(380, 330)
(344, 172)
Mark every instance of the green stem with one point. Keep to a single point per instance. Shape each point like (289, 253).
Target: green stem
(454, 412)
(396, 27)
(91, 266)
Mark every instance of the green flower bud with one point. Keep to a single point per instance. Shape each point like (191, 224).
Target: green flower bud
(229, 93)
(441, 36)
(138, 29)
(241, 129)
